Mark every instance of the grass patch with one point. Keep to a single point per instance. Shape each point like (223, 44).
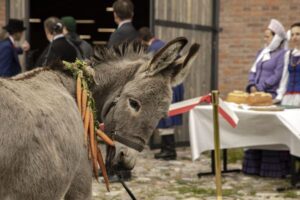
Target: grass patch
(233, 155)
(252, 192)
(195, 190)
(205, 191)
(291, 194)
(168, 174)
(182, 182)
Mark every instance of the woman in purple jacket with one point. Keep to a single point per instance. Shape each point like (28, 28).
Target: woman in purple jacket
(265, 76)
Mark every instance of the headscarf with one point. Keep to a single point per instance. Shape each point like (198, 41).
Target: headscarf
(280, 35)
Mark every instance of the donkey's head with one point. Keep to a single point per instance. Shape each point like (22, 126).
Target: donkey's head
(134, 93)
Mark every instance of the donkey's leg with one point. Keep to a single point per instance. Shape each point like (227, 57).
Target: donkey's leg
(81, 186)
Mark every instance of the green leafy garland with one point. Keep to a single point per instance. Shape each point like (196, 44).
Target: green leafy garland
(81, 68)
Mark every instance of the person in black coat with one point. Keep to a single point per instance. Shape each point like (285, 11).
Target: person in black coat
(59, 48)
(123, 14)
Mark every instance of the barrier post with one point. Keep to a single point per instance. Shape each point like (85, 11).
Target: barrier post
(218, 178)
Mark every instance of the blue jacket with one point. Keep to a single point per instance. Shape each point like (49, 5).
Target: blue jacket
(9, 61)
(178, 92)
(156, 45)
(293, 86)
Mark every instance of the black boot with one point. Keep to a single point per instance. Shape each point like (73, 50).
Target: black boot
(168, 151)
(162, 148)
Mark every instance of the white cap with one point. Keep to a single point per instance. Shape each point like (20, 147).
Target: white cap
(288, 35)
(277, 28)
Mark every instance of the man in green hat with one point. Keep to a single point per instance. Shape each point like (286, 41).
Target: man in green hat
(84, 49)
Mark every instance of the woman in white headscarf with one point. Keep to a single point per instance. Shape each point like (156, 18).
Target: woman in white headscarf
(265, 75)
(266, 71)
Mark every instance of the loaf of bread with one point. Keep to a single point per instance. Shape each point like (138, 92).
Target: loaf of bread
(259, 99)
(238, 97)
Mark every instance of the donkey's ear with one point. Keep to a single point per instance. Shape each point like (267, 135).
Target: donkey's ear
(182, 66)
(166, 55)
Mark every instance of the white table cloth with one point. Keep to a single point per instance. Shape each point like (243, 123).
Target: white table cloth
(259, 129)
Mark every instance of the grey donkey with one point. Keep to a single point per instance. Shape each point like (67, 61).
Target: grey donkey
(42, 151)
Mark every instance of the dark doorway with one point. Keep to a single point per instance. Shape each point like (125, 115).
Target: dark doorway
(94, 15)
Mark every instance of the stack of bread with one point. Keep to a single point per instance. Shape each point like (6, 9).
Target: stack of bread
(238, 97)
(260, 99)
(253, 99)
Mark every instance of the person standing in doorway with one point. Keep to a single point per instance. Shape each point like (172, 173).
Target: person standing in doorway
(9, 61)
(166, 126)
(84, 49)
(59, 48)
(123, 14)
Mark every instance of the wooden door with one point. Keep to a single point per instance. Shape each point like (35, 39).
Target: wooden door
(195, 20)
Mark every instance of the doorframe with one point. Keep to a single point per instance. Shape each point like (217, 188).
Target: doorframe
(7, 10)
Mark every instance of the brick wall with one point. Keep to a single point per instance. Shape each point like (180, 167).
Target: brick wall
(2, 13)
(243, 24)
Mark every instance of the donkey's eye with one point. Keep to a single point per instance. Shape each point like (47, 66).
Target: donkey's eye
(134, 104)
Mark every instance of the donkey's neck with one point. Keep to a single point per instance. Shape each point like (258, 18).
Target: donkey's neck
(68, 82)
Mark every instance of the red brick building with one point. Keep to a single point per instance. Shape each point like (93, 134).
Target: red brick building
(243, 23)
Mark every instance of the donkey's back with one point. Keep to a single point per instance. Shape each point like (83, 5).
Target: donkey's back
(41, 140)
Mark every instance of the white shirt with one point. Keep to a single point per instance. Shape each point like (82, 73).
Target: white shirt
(11, 39)
(57, 36)
(124, 22)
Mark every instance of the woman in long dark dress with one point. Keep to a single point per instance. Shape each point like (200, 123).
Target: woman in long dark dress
(265, 76)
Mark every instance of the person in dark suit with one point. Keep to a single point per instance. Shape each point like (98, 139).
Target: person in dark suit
(59, 48)
(166, 126)
(9, 61)
(123, 14)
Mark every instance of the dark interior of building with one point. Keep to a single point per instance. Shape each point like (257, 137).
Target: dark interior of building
(92, 15)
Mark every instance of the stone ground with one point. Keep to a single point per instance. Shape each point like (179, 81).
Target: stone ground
(177, 180)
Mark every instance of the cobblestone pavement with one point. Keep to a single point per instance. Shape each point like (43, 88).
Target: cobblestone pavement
(172, 180)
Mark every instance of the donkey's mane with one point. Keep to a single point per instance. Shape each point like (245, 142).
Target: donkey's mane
(129, 50)
(29, 74)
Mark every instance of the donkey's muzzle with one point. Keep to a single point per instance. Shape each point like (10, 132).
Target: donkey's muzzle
(123, 158)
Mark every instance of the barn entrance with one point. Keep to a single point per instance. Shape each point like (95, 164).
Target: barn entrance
(94, 19)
